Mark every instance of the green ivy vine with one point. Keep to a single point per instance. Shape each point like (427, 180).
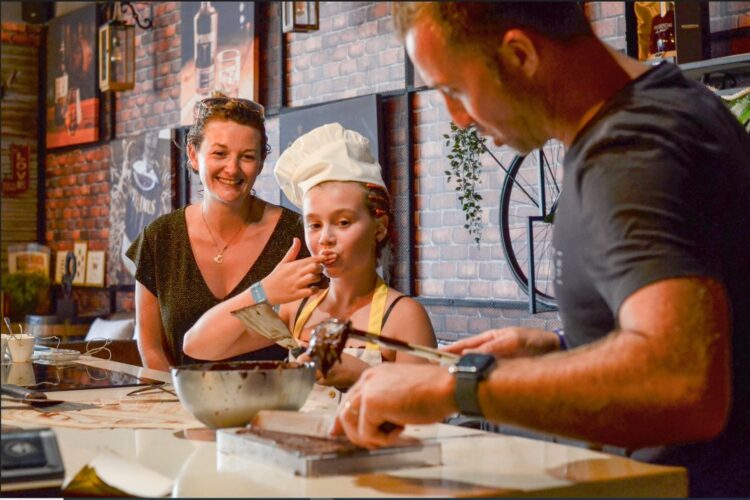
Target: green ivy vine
(466, 146)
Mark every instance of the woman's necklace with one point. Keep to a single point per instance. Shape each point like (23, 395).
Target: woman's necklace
(220, 256)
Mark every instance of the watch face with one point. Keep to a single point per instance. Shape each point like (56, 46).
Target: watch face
(475, 362)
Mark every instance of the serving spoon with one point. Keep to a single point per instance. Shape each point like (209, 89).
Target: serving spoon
(331, 334)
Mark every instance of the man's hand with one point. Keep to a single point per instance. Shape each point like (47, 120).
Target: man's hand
(291, 279)
(511, 342)
(389, 396)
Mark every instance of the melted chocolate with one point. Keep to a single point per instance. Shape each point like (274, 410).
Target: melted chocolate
(327, 341)
(307, 445)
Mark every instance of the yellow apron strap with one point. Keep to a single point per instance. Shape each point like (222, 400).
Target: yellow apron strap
(306, 312)
(377, 309)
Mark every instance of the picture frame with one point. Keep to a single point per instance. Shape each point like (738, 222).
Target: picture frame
(60, 265)
(95, 268)
(24, 258)
(80, 249)
(231, 66)
(140, 192)
(72, 95)
(683, 30)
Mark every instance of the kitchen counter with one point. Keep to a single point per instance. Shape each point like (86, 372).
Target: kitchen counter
(167, 440)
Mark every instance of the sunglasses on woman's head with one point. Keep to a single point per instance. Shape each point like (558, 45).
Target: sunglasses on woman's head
(229, 104)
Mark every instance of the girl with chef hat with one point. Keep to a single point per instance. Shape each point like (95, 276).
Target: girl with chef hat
(331, 175)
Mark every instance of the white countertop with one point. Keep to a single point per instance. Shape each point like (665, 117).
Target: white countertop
(475, 463)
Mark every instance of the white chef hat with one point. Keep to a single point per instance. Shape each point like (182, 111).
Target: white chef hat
(327, 153)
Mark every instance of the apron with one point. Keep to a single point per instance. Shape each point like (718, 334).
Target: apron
(327, 397)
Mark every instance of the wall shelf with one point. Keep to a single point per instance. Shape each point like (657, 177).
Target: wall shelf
(737, 64)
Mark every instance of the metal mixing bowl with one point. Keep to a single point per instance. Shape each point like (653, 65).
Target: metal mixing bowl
(230, 394)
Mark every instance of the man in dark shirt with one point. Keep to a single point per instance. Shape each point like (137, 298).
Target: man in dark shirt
(651, 235)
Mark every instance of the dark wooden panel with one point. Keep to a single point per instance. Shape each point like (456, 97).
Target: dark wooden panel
(19, 126)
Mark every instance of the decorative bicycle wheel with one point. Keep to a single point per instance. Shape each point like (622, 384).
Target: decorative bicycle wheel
(528, 202)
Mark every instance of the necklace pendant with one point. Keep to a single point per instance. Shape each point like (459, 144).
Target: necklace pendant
(219, 259)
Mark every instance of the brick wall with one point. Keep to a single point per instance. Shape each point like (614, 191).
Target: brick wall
(155, 101)
(77, 209)
(726, 18)
(608, 22)
(728, 15)
(354, 53)
(78, 180)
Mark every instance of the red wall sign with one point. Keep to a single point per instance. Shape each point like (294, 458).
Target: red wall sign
(18, 182)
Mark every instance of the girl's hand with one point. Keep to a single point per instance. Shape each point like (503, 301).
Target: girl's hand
(291, 279)
(344, 373)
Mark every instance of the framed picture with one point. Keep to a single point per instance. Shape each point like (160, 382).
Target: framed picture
(60, 265)
(72, 96)
(219, 52)
(140, 191)
(79, 250)
(675, 31)
(95, 268)
(24, 258)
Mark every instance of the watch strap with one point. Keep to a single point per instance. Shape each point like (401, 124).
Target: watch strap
(467, 394)
(469, 371)
(259, 295)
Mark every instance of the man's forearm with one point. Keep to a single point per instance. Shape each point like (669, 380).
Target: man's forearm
(621, 390)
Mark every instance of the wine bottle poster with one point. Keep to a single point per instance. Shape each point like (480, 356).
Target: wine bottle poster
(140, 191)
(72, 102)
(219, 52)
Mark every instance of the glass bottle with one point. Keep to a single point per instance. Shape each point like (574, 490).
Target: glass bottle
(61, 88)
(205, 29)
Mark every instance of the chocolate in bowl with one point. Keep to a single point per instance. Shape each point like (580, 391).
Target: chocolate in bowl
(229, 394)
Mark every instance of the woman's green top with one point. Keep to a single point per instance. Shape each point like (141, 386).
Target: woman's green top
(165, 264)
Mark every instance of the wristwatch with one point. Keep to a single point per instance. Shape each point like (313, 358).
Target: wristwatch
(469, 370)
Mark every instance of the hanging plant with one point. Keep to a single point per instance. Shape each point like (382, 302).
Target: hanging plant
(466, 146)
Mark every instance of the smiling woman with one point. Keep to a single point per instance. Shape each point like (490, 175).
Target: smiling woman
(214, 250)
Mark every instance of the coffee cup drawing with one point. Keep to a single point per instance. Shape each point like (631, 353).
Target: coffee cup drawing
(21, 348)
